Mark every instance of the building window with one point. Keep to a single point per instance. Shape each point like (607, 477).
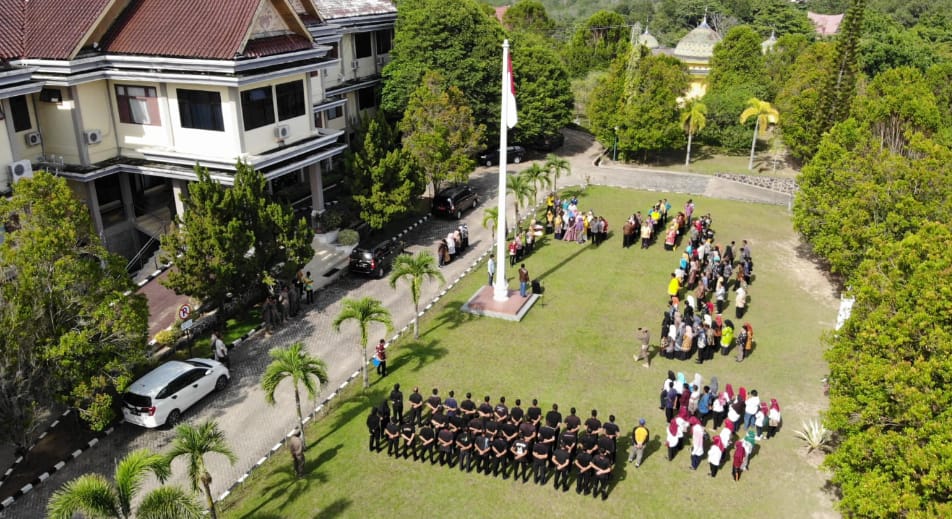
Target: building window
(51, 95)
(384, 41)
(20, 113)
(200, 109)
(257, 107)
(366, 98)
(290, 98)
(363, 45)
(137, 105)
(332, 54)
(334, 113)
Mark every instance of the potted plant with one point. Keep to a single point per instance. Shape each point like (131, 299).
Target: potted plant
(327, 225)
(347, 239)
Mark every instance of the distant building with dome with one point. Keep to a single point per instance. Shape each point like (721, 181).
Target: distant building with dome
(696, 50)
(648, 40)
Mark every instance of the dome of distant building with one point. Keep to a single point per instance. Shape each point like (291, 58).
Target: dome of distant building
(769, 43)
(648, 40)
(699, 43)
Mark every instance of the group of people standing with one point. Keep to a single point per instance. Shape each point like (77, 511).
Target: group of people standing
(689, 407)
(453, 245)
(568, 223)
(285, 301)
(499, 440)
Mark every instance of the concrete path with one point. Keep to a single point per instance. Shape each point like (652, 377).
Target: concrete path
(251, 426)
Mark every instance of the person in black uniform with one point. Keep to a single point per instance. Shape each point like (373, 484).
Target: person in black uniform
(393, 438)
(593, 424)
(534, 413)
(568, 441)
(583, 464)
(468, 407)
(416, 406)
(561, 461)
(572, 421)
(554, 417)
(527, 431)
(509, 431)
(516, 413)
(540, 459)
(427, 443)
(464, 450)
(396, 401)
(548, 436)
(587, 442)
(408, 434)
(485, 409)
(438, 420)
(500, 455)
(501, 411)
(611, 430)
(483, 447)
(606, 444)
(602, 466)
(373, 427)
(520, 459)
(446, 441)
(433, 403)
(450, 405)
(384, 411)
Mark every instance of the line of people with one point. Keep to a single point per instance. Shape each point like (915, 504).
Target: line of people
(689, 407)
(569, 223)
(455, 243)
(498, 440)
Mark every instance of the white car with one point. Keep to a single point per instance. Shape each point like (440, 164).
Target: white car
(163, 394)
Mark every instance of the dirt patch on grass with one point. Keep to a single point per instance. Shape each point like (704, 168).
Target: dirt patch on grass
(805, 268)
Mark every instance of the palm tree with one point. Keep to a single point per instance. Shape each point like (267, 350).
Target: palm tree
(490, 218)
(764, 114)
(415, 269)
(294, 363)
(522, 191)
(92, 495)
(693, 120)
(365, 311)
(194, 443)
(537, 176)
(556, 166)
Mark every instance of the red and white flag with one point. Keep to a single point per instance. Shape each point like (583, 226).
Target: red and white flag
(509, 95)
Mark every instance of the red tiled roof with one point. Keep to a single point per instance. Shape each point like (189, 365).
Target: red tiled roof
(211, 29)
(276, 45)
(501, 12)
(826, 24)
(11, 29)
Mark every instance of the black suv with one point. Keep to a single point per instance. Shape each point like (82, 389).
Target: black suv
(374, 261)
(514, 154)
(452, 201)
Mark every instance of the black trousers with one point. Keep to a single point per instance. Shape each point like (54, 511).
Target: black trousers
(374, 441)
(393, 446)
(465, 458)
(539, 470)
(584, 482)
(600, 486)
(562, 479)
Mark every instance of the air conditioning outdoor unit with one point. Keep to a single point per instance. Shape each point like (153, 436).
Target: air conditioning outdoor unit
(20, 170)
(282, 131)
(33, 139)
(354, 64)
(92, 136)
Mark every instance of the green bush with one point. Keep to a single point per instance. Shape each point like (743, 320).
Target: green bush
(168, 337)
(329, 220)
(348, 237)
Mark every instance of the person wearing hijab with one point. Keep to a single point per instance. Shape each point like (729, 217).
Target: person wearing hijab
(747, 445)
(773, 418)
(735, 411)
(697, 442)
(727, 337)
(739, 457)
(683, 420)
(727, 434)
(673, 438)
(668, 384)
(714, 455)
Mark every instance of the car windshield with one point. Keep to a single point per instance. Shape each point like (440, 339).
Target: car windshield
(137, 400)
(198, 364)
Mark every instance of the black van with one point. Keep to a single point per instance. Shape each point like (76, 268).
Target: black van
(453, 200)
(374, 261)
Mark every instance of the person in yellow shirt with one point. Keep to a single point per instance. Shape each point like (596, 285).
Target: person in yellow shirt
(674, 286)
(639, 437)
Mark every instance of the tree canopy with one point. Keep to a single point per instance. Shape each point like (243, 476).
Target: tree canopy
(71, 331)
(529, 16)
(543, 92)
(596, 42)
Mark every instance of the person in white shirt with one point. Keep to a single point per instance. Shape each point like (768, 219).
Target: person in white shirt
(751, 406)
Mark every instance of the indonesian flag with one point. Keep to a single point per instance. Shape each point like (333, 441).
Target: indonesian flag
(509, 95)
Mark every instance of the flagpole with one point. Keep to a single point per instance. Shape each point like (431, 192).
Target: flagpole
(501, 285)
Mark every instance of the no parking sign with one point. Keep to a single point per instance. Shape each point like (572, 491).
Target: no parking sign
(184, 311)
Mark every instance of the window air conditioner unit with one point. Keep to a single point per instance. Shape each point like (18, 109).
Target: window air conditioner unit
(92, 136)
(20, 170)
(354, 64)
(282, 131)
(33, 139)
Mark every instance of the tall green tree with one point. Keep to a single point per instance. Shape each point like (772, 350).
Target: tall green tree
(294, 364)
(382, 178)
(440, 132)
(538, 177)
(490, 217)
(693, 120)
(779, 61)
(764, 115)
(799, 100)
(596, 43)
(194, 443)
(415, 269)
(454, 38)
(528, 16)
(71, 331)
(92, 495)
(888, 364)
(543, 91)
(780, 17)
(839, 86)
(649, 120)
(520, 187)
(363, 312)
(557, 167)
(230, 238)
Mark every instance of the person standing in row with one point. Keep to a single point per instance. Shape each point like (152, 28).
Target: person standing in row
(296, 446)
(491, 268)
(382, 357)
(639, 439)
(396, 402)
(523, 280)
(645, 337)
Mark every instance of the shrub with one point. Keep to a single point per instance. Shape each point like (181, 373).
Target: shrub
(348, 237)
(329, 220)
(814, 435)
(168, 337)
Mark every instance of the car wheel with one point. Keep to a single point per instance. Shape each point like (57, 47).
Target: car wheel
(379, 273)
(221, 383)
(173, 419)
(459, 214)
(517, 159)
(489, 162)
(475, 202)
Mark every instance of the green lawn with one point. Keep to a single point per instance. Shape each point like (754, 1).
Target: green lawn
(576, 350)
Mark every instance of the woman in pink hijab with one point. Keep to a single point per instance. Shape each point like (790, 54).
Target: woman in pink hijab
(714, 455)
(773, 418)
(673, 438)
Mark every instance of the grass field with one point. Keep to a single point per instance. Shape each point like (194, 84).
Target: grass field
(575, 348)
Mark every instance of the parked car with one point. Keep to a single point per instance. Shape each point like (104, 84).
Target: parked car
(163, 394)
(374, 261)
(514, 154)
(453, 200)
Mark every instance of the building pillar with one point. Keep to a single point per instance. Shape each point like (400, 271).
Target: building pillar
(317, 189)
(92, 200)
(128, 207)
(179, 193)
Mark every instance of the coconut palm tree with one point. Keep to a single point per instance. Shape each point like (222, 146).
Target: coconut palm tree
(537, 176)
(364, 311)
(556, 166)
(415, 269)
(301, 368)
(194, 442)
(764, 114)
(693, 120)
(521, 190)
(490, 218)
(92, 495)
